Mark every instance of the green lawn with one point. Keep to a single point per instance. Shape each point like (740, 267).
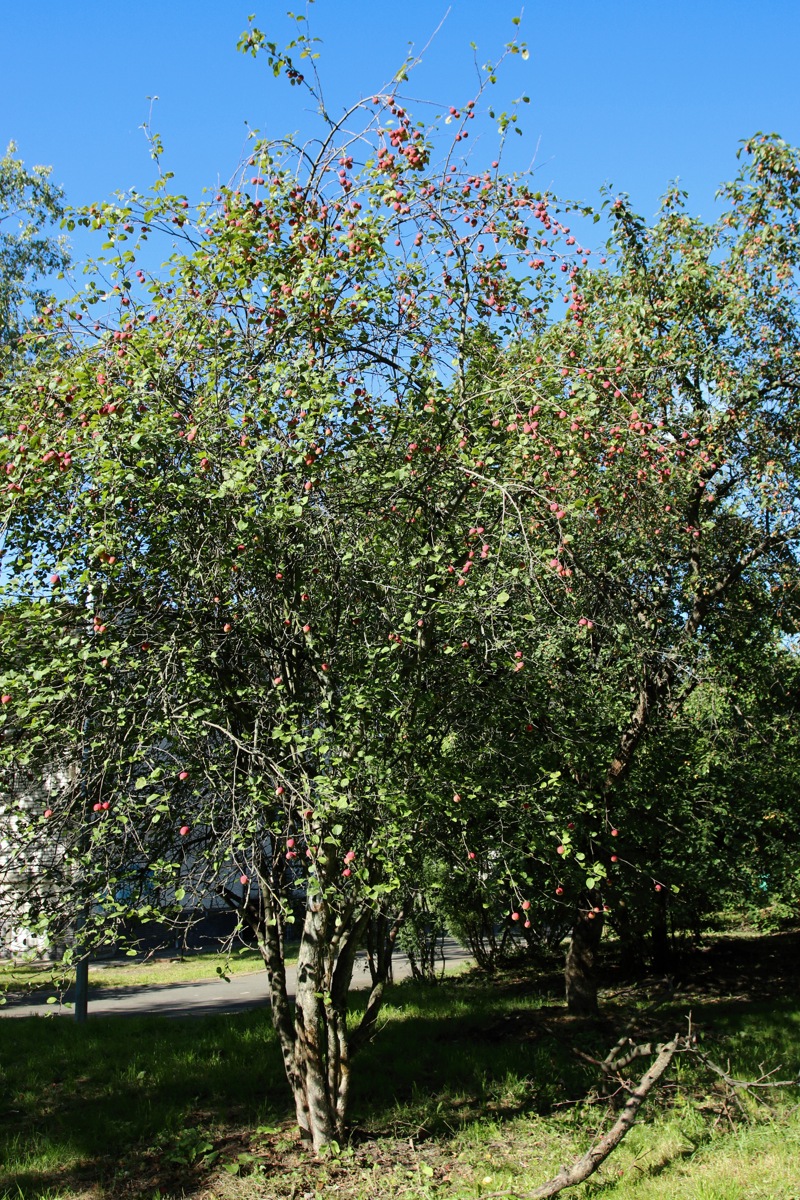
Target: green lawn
(471, 1087)
(135, 972)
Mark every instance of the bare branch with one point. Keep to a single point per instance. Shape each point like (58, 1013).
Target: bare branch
(588, 1163)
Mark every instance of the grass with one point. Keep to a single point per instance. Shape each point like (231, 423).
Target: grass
(138, 972)
(471, 1087)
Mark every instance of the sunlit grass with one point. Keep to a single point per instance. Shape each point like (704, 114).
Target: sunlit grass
(466, 1082)
(135, 972)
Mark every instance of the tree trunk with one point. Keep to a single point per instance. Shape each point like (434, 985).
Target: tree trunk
(631, 947)
(580, 977)
(659, 934)
(381, 940)
(313, 1034)
(321, 1057)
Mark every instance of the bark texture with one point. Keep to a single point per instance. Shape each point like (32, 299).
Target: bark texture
(579, 974)
(589, 1162)
(315, 1043)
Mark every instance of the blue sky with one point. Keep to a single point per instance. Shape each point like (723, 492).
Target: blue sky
(633, 92)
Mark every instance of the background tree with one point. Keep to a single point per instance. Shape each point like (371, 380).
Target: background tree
(680, 495)
(29, 203)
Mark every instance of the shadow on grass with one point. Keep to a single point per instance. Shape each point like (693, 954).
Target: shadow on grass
(460, 1053)
(106, 1107)
(109, 1104)
(129, 1108)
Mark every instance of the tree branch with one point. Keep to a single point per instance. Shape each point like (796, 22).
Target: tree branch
(585, 1166)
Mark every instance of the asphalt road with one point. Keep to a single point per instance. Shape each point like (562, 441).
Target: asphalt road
(202, 997)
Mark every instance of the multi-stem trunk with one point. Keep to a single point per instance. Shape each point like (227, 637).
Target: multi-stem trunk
(313, 1031)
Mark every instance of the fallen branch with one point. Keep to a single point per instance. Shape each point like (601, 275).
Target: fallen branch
(612, 1067)
(585, 1166)
(763, 1081)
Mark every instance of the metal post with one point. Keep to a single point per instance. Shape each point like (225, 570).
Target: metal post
(81, 989)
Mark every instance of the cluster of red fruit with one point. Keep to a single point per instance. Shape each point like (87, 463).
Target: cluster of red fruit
(515, 916)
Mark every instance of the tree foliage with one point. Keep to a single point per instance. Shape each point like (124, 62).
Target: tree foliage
(29, 203)
(333, 549)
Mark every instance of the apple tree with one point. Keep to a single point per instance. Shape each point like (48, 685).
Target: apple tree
(240, 544)
(678, 505)
(29, 203)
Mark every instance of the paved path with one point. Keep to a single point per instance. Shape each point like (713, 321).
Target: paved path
(204, 996)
